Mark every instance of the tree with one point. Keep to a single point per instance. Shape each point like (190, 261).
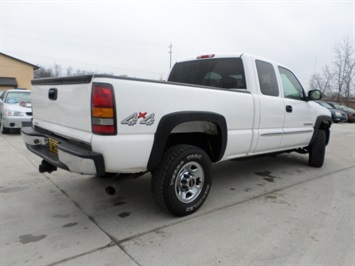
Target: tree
(70, 71)
(322, 81)
(339, 78)
(57, 71)
(344, 63)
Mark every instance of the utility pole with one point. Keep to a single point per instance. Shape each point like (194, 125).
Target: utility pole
(170, 52)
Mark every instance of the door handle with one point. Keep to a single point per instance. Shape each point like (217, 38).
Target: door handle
(53, 94)
(288, 108)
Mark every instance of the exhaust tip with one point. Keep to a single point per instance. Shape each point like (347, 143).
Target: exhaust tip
(110, 191)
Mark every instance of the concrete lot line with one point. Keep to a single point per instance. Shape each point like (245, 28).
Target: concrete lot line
(114, 242)
(269, 210)
(308, 224)
(83, 259)
(200, 215)
(40, 224)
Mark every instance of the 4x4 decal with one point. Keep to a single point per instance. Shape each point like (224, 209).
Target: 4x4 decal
(145, 119)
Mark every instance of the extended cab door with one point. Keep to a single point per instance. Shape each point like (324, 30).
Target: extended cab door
(269, 130)
(299, 118)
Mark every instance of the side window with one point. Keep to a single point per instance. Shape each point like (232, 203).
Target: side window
(267, 78)
(291, 87)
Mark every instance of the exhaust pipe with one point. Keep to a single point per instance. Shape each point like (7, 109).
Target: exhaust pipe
(110, 191)
(119, 178)
(46, 167)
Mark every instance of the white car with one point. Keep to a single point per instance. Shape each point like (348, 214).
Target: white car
(15, 110)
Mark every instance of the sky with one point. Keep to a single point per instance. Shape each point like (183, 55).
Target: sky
(133, 37)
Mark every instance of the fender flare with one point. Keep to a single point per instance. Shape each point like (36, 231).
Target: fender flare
(168, 122)
(323, 119)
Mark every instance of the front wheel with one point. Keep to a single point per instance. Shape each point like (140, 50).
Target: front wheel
(182, 180)
(3, 129)
(317, 150)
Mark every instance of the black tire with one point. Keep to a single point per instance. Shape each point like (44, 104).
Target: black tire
(317, 150)
(3, 129)
(183, 179)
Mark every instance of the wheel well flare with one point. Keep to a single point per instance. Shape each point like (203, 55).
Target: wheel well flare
(205, 130)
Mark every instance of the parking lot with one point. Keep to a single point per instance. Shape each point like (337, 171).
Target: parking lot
(262, 211)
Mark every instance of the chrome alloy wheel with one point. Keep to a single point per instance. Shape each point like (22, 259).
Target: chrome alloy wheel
(189, 182)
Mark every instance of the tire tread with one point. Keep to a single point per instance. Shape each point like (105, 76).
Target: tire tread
(158, 183)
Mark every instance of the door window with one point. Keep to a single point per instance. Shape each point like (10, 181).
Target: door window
(291, 87)
(267, 78)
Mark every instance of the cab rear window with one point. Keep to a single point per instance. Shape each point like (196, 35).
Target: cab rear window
(226, 73)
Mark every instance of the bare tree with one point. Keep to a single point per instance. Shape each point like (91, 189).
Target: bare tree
(83, 72)
(57, 70)
(339, 79)
(344, 67)
(69, 71)
(322, 81)
(43, 72)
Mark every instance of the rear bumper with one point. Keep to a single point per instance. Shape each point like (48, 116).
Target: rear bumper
(70, 156)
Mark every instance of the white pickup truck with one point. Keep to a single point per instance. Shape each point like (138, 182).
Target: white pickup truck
(211, 109)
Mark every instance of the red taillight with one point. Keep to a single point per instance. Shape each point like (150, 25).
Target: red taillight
(205, 56)
(103, 114)
(103, 130)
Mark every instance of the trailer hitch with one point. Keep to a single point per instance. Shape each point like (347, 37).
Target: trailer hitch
(46, 167)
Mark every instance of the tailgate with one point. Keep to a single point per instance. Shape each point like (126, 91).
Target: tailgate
(63, 105)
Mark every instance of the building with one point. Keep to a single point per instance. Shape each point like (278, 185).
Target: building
(15, 73)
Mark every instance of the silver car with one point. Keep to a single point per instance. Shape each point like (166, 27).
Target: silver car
(15, 110)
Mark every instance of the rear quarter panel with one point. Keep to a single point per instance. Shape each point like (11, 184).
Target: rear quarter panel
(130, 149)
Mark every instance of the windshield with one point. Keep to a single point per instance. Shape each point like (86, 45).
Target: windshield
(324, 104)
(220, 72)
(18, 97)
(337, 106)
(346, 108)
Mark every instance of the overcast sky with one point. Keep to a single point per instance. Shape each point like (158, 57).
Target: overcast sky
(132, 37)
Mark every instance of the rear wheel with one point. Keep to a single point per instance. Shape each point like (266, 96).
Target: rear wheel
(183, 180)
(317, 150)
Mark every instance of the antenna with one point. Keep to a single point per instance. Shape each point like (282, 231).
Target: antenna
(170, 52)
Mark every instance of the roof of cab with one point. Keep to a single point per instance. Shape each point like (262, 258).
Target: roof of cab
(231, 55)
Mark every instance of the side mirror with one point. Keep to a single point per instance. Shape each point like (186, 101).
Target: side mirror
(314, 95)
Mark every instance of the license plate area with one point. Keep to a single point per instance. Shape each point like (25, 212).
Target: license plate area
(53, 145)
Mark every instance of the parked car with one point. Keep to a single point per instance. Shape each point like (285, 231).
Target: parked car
(349, 111)
(337, 115)
(15, 110)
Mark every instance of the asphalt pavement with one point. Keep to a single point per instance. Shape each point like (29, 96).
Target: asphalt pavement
(261, 211)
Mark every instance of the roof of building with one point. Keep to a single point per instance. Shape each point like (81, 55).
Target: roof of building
(8, 82)
(34, 66)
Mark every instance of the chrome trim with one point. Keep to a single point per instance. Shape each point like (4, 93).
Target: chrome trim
(286, 133)
(298, 132)
(271, 134)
